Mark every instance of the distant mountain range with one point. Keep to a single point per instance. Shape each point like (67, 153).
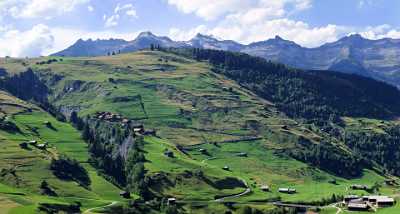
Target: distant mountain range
(379, 59)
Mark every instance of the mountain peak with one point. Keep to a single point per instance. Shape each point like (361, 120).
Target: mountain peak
(146, 34)
(200, 36)
(353, 37)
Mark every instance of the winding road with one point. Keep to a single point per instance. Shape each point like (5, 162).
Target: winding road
(109, 205)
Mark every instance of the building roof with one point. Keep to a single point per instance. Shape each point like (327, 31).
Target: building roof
(385, 200)
(351, 196)
(378, 197)
(358, 205)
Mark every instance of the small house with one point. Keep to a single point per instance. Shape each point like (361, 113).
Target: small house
(287, 190)
(385, 202)
(125, 194)
(242, 154)
(264, 188)
(171, 201)
(381, 200)
(225, 168)
(138, 130)
(349, 198)
(357, 207)
(33, 142)
(169, 154)
(358, 187)
(201, 150)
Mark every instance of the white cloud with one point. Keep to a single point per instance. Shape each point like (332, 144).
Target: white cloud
(211, 9)
(112, 21)
(380, 32)
(90, 8)
(182, 35)
(131, 13)
(255, 20)
(128, 8)
(365, 3)
(38, 8)
(296, 31)
(32, 42)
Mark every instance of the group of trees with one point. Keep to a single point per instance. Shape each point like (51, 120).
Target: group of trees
(328, 157)
(113, 53)
(117, 152)
(155, 47)
(382, 148)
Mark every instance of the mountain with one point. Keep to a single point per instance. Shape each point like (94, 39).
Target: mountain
(92, 47)
(145, 39)
(103, 47)
(208, 128)
(379, 59)
(209, 42)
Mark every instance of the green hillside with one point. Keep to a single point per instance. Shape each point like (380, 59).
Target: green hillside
(206, 119)
(24, 169)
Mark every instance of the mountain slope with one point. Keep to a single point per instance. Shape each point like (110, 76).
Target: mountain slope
(205, 118)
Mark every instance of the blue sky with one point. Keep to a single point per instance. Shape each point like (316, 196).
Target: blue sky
(40, 27)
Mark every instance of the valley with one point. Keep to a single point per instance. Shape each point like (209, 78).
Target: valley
(213, 139)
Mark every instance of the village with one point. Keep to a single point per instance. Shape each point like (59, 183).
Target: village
(137, 128)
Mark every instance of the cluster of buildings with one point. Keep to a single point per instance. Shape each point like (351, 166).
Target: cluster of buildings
(365, 203)
(112, 117)
(117, 118)
(34, 143)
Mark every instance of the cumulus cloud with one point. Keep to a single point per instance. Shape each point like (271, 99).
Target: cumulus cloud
(380, 32)
(210, 9)
(296, 31)
(32, 42)
(38, 8)
(255, 20)
(183, 35)
(112, 21)
(126, 9)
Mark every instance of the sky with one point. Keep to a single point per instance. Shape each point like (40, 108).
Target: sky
(31, 28)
